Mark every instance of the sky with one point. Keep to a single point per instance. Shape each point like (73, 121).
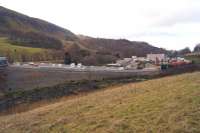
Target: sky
(170, 24)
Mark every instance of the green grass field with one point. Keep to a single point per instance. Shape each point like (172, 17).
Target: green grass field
(165, 105)
(15, 53)
(6, 46)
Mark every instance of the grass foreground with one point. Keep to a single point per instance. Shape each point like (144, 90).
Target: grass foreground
(170, 104)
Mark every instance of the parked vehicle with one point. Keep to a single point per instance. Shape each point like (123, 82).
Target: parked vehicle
(3, 62)
(176, 63)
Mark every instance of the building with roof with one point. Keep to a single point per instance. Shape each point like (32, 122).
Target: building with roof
(157, 58)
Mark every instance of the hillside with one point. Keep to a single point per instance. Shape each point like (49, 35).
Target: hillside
(123, 47)
(22, 30)
(13, 21)
(169, 104)
(104, 51)
(23, 54)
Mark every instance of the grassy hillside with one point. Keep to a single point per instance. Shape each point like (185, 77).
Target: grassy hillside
(21, 53)
(5, 45)
(168, 104)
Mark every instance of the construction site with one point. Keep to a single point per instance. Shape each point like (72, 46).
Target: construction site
(30, 75)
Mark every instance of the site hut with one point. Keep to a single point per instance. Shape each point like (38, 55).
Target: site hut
(157, 58)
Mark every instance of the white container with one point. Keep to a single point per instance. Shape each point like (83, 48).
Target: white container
(60, 65)
(72, 65)
(79, 65)
(121, 68)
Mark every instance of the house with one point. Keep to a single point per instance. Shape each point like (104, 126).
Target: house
(157, 58)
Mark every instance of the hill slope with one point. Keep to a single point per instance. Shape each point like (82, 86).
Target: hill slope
(122, 47)
(22, 30)
(168, 104)
(14, 21)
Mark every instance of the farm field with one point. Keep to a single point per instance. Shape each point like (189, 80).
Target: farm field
(169, 104)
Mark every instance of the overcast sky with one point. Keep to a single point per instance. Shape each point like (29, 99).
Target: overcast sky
(171, 24)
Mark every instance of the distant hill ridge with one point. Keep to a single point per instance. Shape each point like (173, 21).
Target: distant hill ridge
(22, 30)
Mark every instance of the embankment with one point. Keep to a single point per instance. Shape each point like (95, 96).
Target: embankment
(12, 98)
(18, 78)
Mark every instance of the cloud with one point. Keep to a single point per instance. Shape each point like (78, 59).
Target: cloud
(181, 17)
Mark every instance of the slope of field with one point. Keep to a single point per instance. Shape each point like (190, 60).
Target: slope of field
(21, 53)
(6, 46)
(168, 104)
